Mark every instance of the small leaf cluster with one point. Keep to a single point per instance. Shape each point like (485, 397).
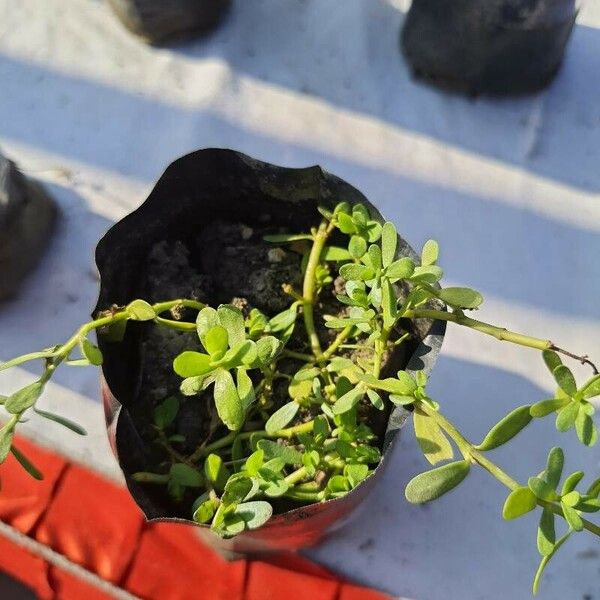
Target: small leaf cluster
(571, 404)
(227, 349)
(568, 502)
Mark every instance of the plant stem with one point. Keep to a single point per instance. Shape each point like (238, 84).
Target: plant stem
(296, 476)
(500, 333)
(244, 435)
(471, 453)
(298, 355)
(309, 286)
(341, 337)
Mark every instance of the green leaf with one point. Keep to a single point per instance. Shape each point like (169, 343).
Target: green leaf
(542, 489)
(586, 430)
(244, 353)
(207, 319)
(348, 401)
(216, 342)
(338, 485)
(374, 257)
(430, 253)
(287, 237)
(461, 297)
(191, 386)
(507, 428)
(268, 348)
(567, 416)
(300, 390)
(245, 389)
(591, 388)
(91, 352)
(594, 489)
(400, 269)
(565, 380)
(407, 382)
(391, 385)
(437, 482)
(338, 363)
(205, 512)
(232, 319)
(571, 482)
(389, 240)
(554, 466)
(546, 535)
(216, 472)
(74, 427)
(346, 224)
(401, 400)
(227, 401)
(274, 450)
(432, 440)
(254, 462)
(589, 505)
(26, 358)
(165, 412)
(356, 473)
(571, 499)
(388, 304)
(24, 398)
(337, 254)
(27, 464)
(6, 438)
(284, 322)
(191, 364)
(545, 407)
(237, 489)
(140, 310)
(357, 246)
(545, 560)
(572, 517)
(552, 360)
(376, 399)
(185, 475)
(431, 274)
(254, 514)
(519, 502)
(282, 417)
(353, 271)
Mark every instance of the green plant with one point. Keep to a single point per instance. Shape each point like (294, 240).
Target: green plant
(317, 444)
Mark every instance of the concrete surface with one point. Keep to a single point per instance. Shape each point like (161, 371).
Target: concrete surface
(510, 188)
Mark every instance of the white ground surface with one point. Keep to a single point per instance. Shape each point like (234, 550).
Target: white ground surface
(510, 188)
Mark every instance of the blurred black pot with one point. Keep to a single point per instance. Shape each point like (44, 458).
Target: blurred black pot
(160, 20)
(495, 46)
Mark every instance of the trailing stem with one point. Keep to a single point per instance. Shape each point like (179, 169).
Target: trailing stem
(500, 333)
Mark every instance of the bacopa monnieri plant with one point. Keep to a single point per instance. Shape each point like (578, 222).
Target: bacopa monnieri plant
(318, 444)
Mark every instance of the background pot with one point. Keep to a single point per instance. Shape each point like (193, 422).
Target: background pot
(498, 46)
(193, 192)
(159, 20)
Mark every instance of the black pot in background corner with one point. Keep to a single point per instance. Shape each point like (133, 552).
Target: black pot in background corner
(195, 191)
(493, 46)
(160, 20)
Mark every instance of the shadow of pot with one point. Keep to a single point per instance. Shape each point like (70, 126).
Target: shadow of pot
(193, 193)
(493, 46)
(161, 20)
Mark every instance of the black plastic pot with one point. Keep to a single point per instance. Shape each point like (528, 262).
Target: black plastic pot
(160, 20)
(193, 192)
(495, 46)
